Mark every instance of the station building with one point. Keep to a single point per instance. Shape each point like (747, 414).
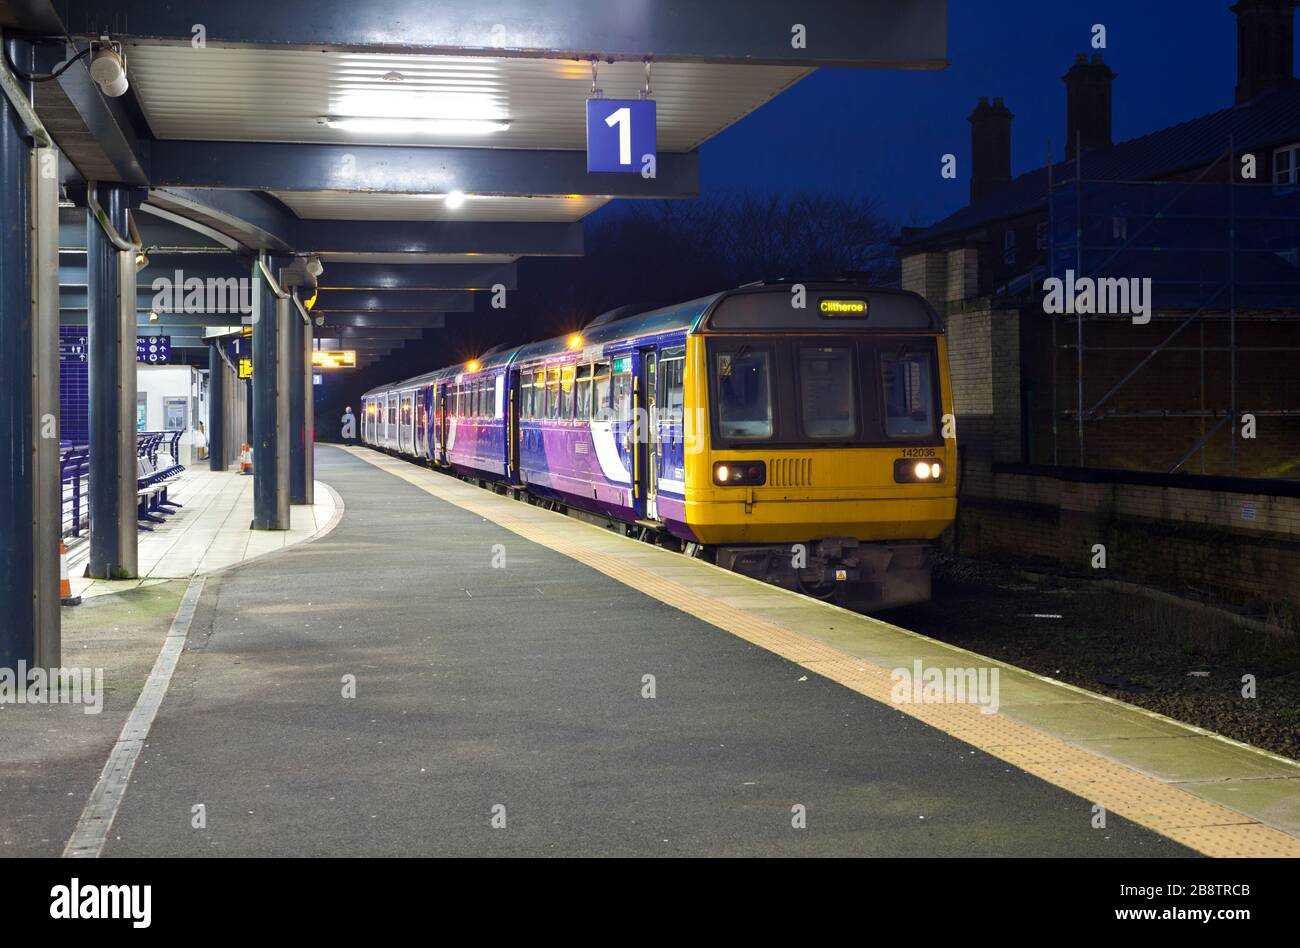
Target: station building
(1174, 433)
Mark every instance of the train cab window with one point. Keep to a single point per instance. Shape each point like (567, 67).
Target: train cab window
(552, 393)
(622, 393)
(826, 392)
(600, 390)
(672, 390)
(566, 392)
(908, 383)
(744, 394)
(582, 404)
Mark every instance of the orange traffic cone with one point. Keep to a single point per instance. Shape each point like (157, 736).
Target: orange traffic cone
(65, 585)
(245, 459)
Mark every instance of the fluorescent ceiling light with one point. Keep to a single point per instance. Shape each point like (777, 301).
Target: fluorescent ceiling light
(415, 126)
(454, 199)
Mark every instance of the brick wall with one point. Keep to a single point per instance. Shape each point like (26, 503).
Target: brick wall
(1170, 381)
(1244, 548)
(984, 362)
(927, 274)
(963, 274)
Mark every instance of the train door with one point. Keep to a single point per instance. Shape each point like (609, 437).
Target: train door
(442, 422)
(670, 409)
(421, 423)
(647, 432)
(512, 423)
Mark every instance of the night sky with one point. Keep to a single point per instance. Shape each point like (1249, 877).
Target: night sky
(882, 132)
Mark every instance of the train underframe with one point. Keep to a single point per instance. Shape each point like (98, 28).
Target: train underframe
(864, 574)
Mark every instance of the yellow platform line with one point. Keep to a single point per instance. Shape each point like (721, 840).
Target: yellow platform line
(1166, 809)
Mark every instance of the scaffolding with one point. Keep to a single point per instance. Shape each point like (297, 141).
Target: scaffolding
(1217, 250)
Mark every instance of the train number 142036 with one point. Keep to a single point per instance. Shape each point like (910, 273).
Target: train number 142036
(918, 452)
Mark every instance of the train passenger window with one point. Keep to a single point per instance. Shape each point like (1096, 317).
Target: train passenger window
(672, 394)
(827, 394)
(600, 390)
(552, 393)
(623, 394)
(490, 411)
(582, 405)
(566, 392)
(909, 393)
(744, 394)
(534, 394)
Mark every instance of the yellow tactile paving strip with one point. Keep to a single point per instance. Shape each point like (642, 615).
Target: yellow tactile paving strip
(1162, 807)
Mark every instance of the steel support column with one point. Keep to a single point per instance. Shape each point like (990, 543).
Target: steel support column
(30, 501)
(110, 273)
(300, 408)
(216, 408)
(270, 397)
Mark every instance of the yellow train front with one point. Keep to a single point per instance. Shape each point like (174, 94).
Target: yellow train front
(820, 448)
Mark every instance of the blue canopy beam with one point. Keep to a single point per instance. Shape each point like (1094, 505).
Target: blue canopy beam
(868, 33)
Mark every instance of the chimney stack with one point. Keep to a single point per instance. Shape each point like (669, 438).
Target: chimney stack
(1265, 45)
(990, 147)
(1087, 104)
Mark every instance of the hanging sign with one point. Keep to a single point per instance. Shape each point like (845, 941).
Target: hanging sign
(620, 135)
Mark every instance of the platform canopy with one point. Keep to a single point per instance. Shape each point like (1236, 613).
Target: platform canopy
(340, 128)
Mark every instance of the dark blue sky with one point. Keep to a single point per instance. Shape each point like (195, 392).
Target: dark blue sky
(882, 132)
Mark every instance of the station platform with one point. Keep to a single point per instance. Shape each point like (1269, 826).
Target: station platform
(211, 531)
(529, 684)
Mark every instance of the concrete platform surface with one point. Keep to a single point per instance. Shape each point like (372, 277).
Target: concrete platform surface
(212, 530)
(450, 672)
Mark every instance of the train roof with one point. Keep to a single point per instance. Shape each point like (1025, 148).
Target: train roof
(887, 310)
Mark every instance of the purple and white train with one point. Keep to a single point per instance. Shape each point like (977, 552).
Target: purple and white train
(808, 445)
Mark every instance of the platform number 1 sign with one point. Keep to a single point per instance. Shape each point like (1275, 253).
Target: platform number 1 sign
(620, 135)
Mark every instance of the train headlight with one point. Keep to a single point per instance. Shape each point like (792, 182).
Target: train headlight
(907, 471)
(739, 473)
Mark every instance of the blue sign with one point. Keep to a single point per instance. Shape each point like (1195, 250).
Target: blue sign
(72, 347)
(153, 350)
(620, 134)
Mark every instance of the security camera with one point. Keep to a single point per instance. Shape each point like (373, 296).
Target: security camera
(108, 68)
